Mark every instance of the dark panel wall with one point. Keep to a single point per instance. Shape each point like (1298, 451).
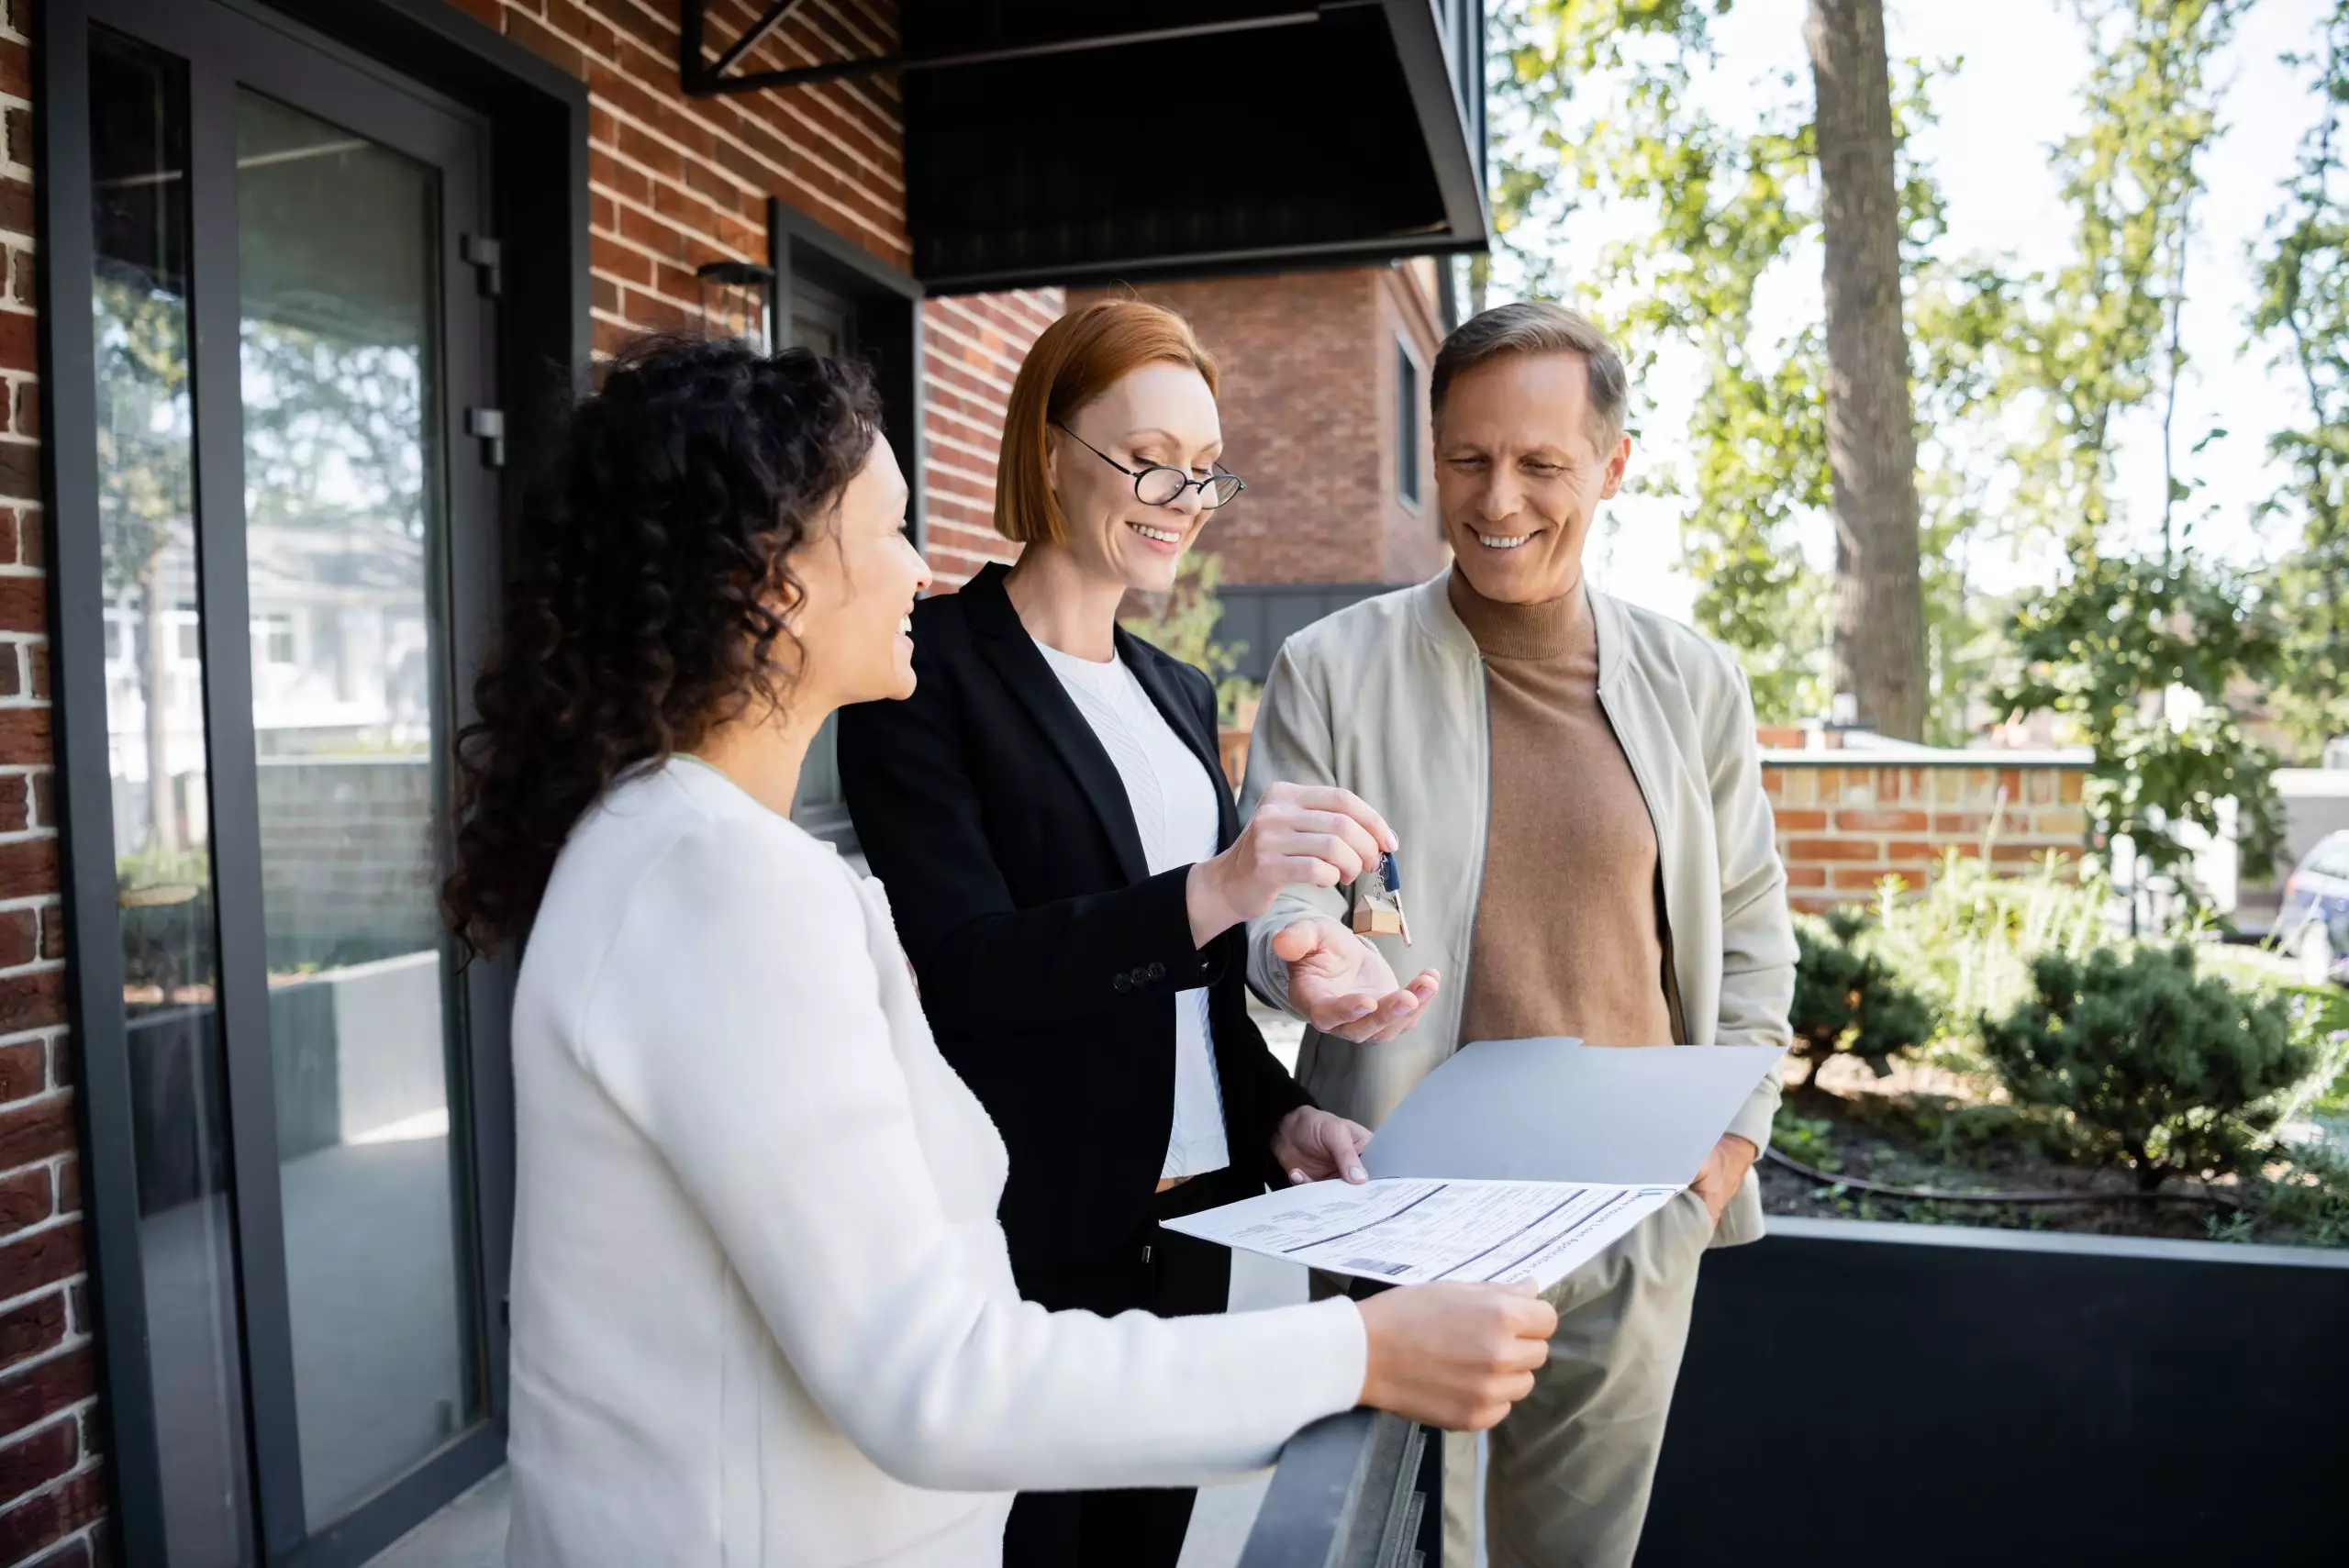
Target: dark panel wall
(1876, 1394)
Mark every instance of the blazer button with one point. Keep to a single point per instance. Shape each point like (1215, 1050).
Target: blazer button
(1122, 984)
(1157, 970)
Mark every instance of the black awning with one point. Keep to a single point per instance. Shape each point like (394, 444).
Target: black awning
(1072, 141)
(1341, 137)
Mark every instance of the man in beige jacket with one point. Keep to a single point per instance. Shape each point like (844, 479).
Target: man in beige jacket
(1587, 851)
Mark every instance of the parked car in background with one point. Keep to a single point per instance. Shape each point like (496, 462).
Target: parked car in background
(2313, 925)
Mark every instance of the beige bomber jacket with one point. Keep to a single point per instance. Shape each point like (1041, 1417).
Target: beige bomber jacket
(1386, 698)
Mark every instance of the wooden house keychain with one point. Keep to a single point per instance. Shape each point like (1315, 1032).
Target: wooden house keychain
(1378, 908)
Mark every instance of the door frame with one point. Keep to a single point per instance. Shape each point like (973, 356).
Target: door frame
(885, 306)
(534, 118)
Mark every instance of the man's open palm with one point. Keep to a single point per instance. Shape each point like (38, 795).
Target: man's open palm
(1344, 987)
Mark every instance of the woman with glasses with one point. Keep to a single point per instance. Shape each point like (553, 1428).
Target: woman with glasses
(1070, 876)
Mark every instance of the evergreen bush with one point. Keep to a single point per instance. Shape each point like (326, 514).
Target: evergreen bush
(2161, 1071)
(1849, 1001)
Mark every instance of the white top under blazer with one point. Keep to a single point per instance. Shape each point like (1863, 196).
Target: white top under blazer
(762, 1310)
(1174, 810)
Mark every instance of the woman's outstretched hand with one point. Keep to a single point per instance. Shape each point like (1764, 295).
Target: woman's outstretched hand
(1342, 987)
(1454, 1356)
(1308, 834)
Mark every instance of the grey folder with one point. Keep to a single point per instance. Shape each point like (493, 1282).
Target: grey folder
(1558, 1110)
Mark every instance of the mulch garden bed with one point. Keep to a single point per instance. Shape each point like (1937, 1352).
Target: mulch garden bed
(1922, 1129)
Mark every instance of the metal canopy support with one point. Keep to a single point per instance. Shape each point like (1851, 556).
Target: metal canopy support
(704, 80)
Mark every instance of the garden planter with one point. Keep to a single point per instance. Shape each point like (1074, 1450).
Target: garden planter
(1878, 1393)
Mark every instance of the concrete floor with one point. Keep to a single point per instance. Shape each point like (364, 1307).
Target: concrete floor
(468, 1533)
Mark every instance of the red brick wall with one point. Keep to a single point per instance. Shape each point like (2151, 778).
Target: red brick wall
(972, 346)
(51, 1482)
(1842, 829)
(1310, 420)
(1411, 544)
(676, 181)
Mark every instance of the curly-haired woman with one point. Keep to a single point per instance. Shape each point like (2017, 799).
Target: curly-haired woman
(761, 1306)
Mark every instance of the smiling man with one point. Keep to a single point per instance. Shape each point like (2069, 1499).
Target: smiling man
(1587, 851)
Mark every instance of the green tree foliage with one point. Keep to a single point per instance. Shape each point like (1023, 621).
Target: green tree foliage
(1181, 623)
(1848, 1000)
(1730, 205)
(2106, 651)
(2022, 383)
(2304, 301)
(2097, 338)
(332, 430)
(2142, 654)
(1594, 104)
(2161, 1071)
(147, 498)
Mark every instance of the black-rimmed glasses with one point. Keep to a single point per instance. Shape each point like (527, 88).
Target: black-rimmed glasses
(1159, 485)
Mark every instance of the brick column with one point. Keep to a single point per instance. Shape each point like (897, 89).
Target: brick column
(52, 1491)
(972, 346)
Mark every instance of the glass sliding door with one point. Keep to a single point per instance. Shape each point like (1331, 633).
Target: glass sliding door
(338, 318)
(287, 339)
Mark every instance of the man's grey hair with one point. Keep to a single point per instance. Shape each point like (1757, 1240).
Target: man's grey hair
(1538, 326)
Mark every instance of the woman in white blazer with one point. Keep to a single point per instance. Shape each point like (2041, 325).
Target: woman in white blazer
(761, 1310)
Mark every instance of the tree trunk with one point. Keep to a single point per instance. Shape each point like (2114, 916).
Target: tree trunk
(1879, 650)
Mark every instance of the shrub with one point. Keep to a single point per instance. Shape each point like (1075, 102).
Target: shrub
(2161, 1071)
(1967, 941)
(1848, 1001)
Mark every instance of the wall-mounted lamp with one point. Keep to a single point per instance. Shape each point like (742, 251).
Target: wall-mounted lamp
(738, 299)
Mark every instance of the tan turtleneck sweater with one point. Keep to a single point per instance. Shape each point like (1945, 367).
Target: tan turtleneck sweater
(1569, 935)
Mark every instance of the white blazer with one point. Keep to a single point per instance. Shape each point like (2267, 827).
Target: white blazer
(761, 1310)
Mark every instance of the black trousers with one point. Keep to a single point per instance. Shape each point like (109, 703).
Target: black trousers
(1160, 1271)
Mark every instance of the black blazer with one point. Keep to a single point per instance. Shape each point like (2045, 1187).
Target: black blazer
(1048, 957)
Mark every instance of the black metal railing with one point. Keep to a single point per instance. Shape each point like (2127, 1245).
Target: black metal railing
(1361, 1490)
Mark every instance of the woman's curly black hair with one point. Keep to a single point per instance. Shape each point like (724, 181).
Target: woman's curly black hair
(637, 609)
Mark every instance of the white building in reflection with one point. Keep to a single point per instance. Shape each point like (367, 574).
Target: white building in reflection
(340, 661)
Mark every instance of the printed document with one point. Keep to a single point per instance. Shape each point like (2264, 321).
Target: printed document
(1517, 1159)
(1413, 1231)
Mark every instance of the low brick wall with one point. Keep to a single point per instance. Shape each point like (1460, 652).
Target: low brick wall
(1843, 827)
(349, 869)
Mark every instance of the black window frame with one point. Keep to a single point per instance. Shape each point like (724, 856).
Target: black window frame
(1410, 478)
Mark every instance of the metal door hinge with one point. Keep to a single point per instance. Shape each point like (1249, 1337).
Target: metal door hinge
(484, 253)
(488, 426)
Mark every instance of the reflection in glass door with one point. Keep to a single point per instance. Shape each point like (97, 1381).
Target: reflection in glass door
(338, 248)
(158, 752)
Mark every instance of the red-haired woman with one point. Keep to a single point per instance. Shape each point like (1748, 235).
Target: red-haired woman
(1069, 874)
